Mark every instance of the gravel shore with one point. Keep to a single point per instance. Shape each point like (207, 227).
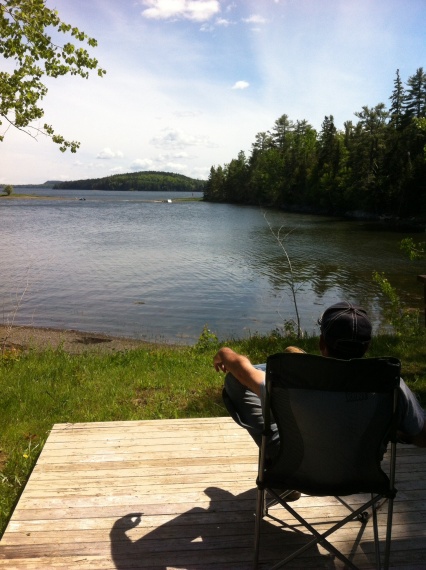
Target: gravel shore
(74, 342)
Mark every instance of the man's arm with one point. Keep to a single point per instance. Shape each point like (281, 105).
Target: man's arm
(412, 426)
(226, 360)
(419, 439)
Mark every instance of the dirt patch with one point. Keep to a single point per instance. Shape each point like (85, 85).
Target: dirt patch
(74, 342)
(92, 340)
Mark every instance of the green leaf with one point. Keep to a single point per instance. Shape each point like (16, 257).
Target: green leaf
(24, 40)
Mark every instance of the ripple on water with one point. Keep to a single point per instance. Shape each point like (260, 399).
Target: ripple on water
(158, 270)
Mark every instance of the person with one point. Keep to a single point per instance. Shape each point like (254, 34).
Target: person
(345, 333)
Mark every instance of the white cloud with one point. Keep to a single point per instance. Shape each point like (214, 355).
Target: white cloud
(201, 172)
(207, 28)
(240, 85)
(141, 164)
(117, 170)
(173, 138)
(167, 157)
(193, 10)
(156, 69)
(175, 167)
(107, 154)
(255, 19)
(223, 22)
(188, 113)
(230, 7)
(95, 165)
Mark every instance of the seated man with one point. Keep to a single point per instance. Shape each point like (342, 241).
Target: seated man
(345, 334)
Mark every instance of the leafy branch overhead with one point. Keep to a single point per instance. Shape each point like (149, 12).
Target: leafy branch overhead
(25, 28)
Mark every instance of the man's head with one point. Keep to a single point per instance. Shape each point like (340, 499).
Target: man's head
(345, 331)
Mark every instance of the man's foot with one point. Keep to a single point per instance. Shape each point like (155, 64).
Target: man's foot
(292, 496)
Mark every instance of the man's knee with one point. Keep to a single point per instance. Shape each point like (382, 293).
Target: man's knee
(235, 391)
(232, 385)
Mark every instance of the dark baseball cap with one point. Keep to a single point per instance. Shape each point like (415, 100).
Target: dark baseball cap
(346, 327)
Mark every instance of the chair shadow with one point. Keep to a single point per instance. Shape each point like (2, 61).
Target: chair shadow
(221, 534)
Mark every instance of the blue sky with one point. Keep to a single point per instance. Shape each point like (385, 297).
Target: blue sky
(189, 83)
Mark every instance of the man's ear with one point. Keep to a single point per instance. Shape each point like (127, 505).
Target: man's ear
(323, 346)
(367, 347)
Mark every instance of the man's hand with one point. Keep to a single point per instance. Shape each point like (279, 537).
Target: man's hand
(218, 363)
(226, 360)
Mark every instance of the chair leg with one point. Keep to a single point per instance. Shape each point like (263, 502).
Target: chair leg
(318, 538)
(388, 534)
(260, 509)
(376, 535)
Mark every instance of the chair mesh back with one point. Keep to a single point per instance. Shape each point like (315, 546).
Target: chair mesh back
(334, 418)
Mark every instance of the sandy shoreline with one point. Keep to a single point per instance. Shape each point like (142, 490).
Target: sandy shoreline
(72, 341)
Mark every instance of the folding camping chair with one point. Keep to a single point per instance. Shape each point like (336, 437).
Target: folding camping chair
(335, 418)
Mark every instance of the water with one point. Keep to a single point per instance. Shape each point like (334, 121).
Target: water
(132, 264)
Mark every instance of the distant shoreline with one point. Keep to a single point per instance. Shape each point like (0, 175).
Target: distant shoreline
(31, 197)
(68, 198)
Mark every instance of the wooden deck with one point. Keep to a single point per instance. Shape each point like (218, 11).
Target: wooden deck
(178, 494)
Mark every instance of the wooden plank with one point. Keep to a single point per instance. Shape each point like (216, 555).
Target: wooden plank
(310, 512)
(193, 481)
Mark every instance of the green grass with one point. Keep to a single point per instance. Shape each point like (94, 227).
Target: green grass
(41, 388)
(189, 199)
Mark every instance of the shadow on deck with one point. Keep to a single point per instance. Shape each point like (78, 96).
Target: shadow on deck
(179, 494)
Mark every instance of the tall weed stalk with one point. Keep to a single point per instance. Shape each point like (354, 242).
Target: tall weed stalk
(280, 240)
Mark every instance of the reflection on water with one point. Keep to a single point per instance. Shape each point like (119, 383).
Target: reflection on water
(129, 263)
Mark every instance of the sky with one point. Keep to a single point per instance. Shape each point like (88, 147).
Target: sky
(190, 83)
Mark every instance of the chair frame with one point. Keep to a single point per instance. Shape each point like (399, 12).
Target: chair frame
(391, 386)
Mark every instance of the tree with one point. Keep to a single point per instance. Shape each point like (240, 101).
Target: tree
(236, 175)
(328, 147)
(300, 161)
(367, 156)
(8, 189)
(397, 99)
(214, 190)
(331, 156)
(24, 39)
(377, 165)
(415, 98)
(281, 130)
(266, 177)
(263, 141)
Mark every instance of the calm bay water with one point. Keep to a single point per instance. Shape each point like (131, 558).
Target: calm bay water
(132, 264)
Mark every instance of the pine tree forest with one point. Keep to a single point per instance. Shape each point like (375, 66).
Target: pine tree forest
(375, 165)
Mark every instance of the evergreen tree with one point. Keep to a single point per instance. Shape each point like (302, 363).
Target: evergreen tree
(328, 147)
(236, 176)
(214, 190)
(368, 154)
(281, 131)
(377, 165)
(396, 111)
(330, 155)
(267, 178)
(263, 141)
(300, 161)
(415, 98)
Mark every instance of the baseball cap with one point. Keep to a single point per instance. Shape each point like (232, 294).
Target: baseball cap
(346, 327)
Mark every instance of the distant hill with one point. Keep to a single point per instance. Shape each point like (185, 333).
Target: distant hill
(153, 181)
(47, 184)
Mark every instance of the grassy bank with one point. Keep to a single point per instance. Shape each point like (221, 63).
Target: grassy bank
(42, 387)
